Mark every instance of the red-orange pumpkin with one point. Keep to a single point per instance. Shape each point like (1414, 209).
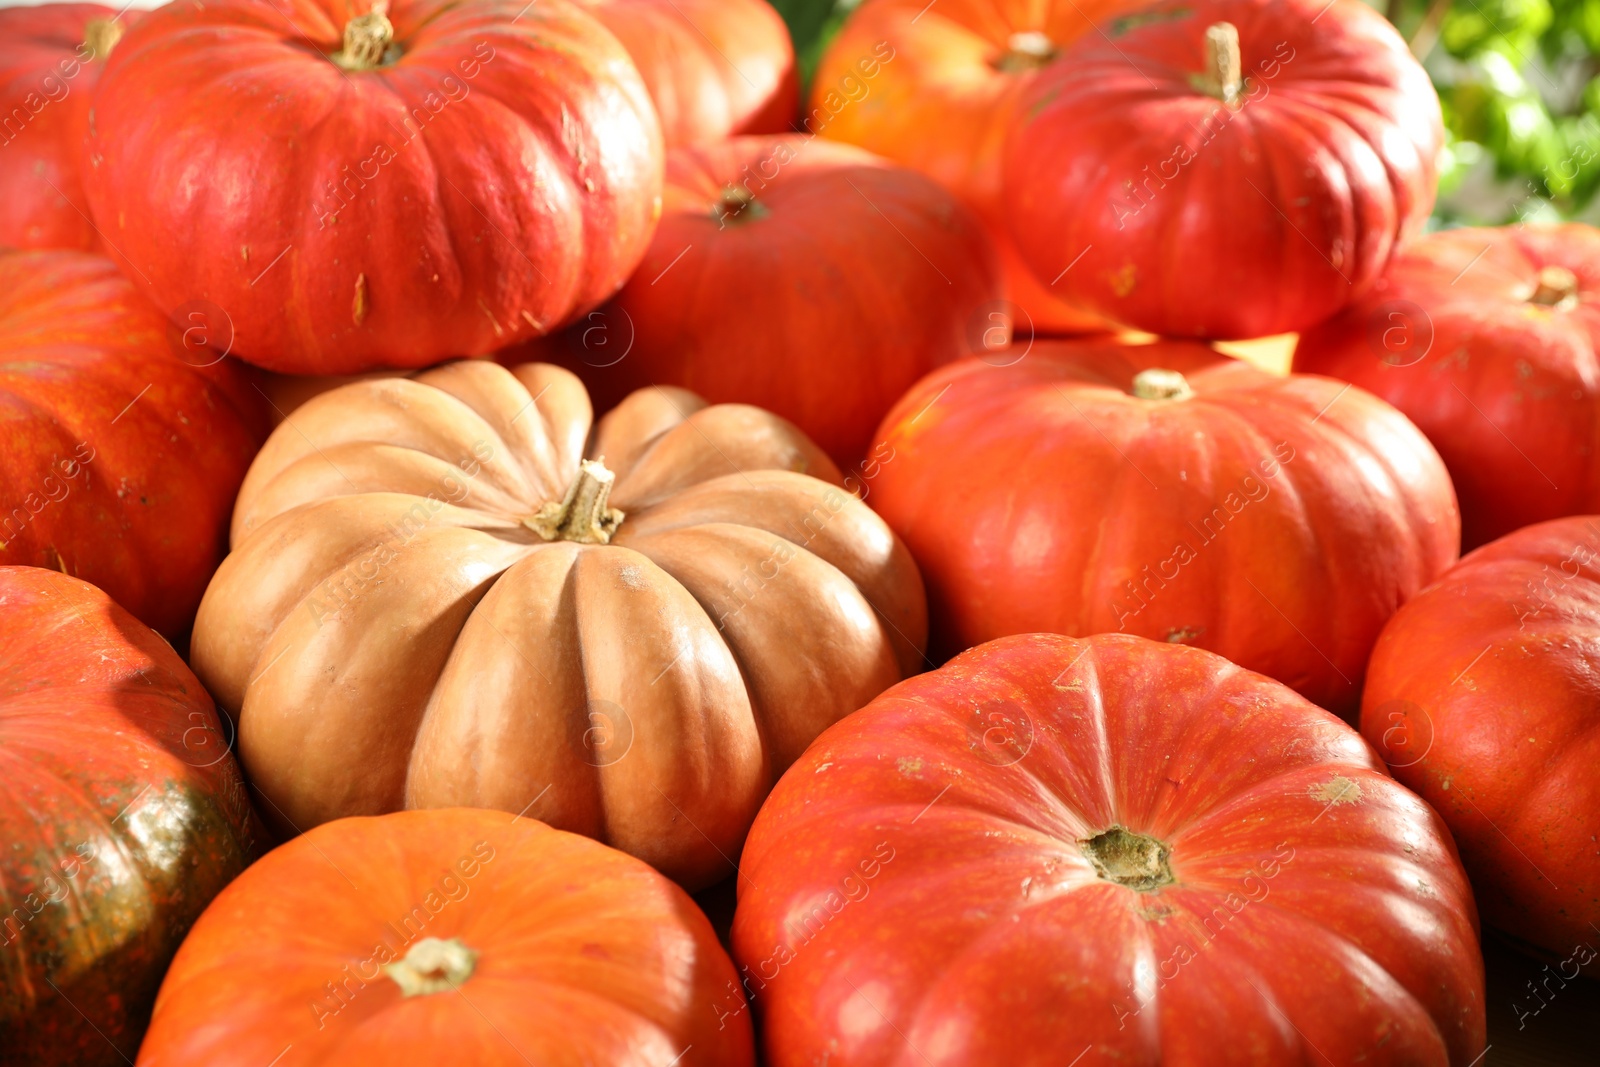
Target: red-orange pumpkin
(1167, 491)
(1487, 339)
(935, 87)
(50, 58)
(714, 68)
(805, 277)
(123, 437)
(1482, 697)
(461, 936)
(1224, 168)
(354, 189)
(1106, 851)
(122, 814)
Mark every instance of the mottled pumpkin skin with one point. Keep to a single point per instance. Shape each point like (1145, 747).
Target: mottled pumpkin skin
(585, 956)
(917, 891)
(122, 815)
(1484, 697)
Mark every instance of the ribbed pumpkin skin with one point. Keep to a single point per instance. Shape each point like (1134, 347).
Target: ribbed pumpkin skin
(926, 87)
(122, 815)
(585, 955)
(714, 68)
(1276, 521)
(47, 75)
(391, 632)
(917, 888)
(1507, 389)
(822, 301)
(1179, 215)
(1482, 697)
(502, 175)
(121, 443)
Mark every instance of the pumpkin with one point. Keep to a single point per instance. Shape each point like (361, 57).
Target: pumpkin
(1224, 168)
(1050, 845)
(1486, 339)
(123, 438)
(123, 814)
(936, 88)
(1166, 491)
(489, 939)
(434, 600)
(358, 189)
(1481, 696)
(714, 68)
(50, 58)
(808, 278)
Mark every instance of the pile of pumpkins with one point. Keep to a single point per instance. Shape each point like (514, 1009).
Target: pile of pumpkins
(478, 472)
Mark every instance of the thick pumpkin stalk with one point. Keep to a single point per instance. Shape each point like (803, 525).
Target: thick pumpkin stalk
(1137, 861)
(1556, 286)
(367, 39)
(1223, 77)
(433, 965)
(582, 515)
(1026, 51)
(100, 36)
(1158, 384)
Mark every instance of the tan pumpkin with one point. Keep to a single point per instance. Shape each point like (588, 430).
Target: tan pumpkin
(434, 600)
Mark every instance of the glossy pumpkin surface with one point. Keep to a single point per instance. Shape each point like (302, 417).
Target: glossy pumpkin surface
(497, 939)
(809, 278)
(122, 815)
(714, 68)
(50, 58)
(1166, 491)
(1482, 697)
(123, 438)
(1050, 846)
(1224, 168)
(936, 88)
(1486, 338)
(353, 190)
(435, 600)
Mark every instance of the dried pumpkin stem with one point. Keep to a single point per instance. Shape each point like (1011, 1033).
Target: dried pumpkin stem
(582, 515)
(433, 965)
(1224, 78)
(367, 40)
(100, 36)
(737, 204)
(1026, 51)
(1135, 860)
(1158, 384)
(1556, 285)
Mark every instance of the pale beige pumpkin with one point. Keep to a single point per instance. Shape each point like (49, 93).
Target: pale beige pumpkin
(422, 610)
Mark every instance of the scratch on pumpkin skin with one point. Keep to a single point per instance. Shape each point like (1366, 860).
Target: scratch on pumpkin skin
(498, 332)
(358, 307)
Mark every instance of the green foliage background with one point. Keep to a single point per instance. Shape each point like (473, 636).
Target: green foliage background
(1519, 81)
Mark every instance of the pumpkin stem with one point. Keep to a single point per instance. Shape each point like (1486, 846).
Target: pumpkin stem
(1223, 77)
(581, 515)
(1557, 285)
(368, 40)
(1026, 51)
(100, 36)
(433, 966)
(1158, 384)
(737, 203)
(1126, 858)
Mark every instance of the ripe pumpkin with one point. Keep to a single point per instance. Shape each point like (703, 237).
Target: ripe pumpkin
(1481, 697)
(1166, 491)
(123, 438)
(123, 814)
(1049, 845)
(935, 88)
(50, 58)
(809, 278)
(1224, 168)
(357, 189)
(497, 939)
(1487, 339)
(435, 600)
(714, 68)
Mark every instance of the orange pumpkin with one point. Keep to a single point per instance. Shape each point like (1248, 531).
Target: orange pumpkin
(933, 87)
(498, 939)
(435, 600)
